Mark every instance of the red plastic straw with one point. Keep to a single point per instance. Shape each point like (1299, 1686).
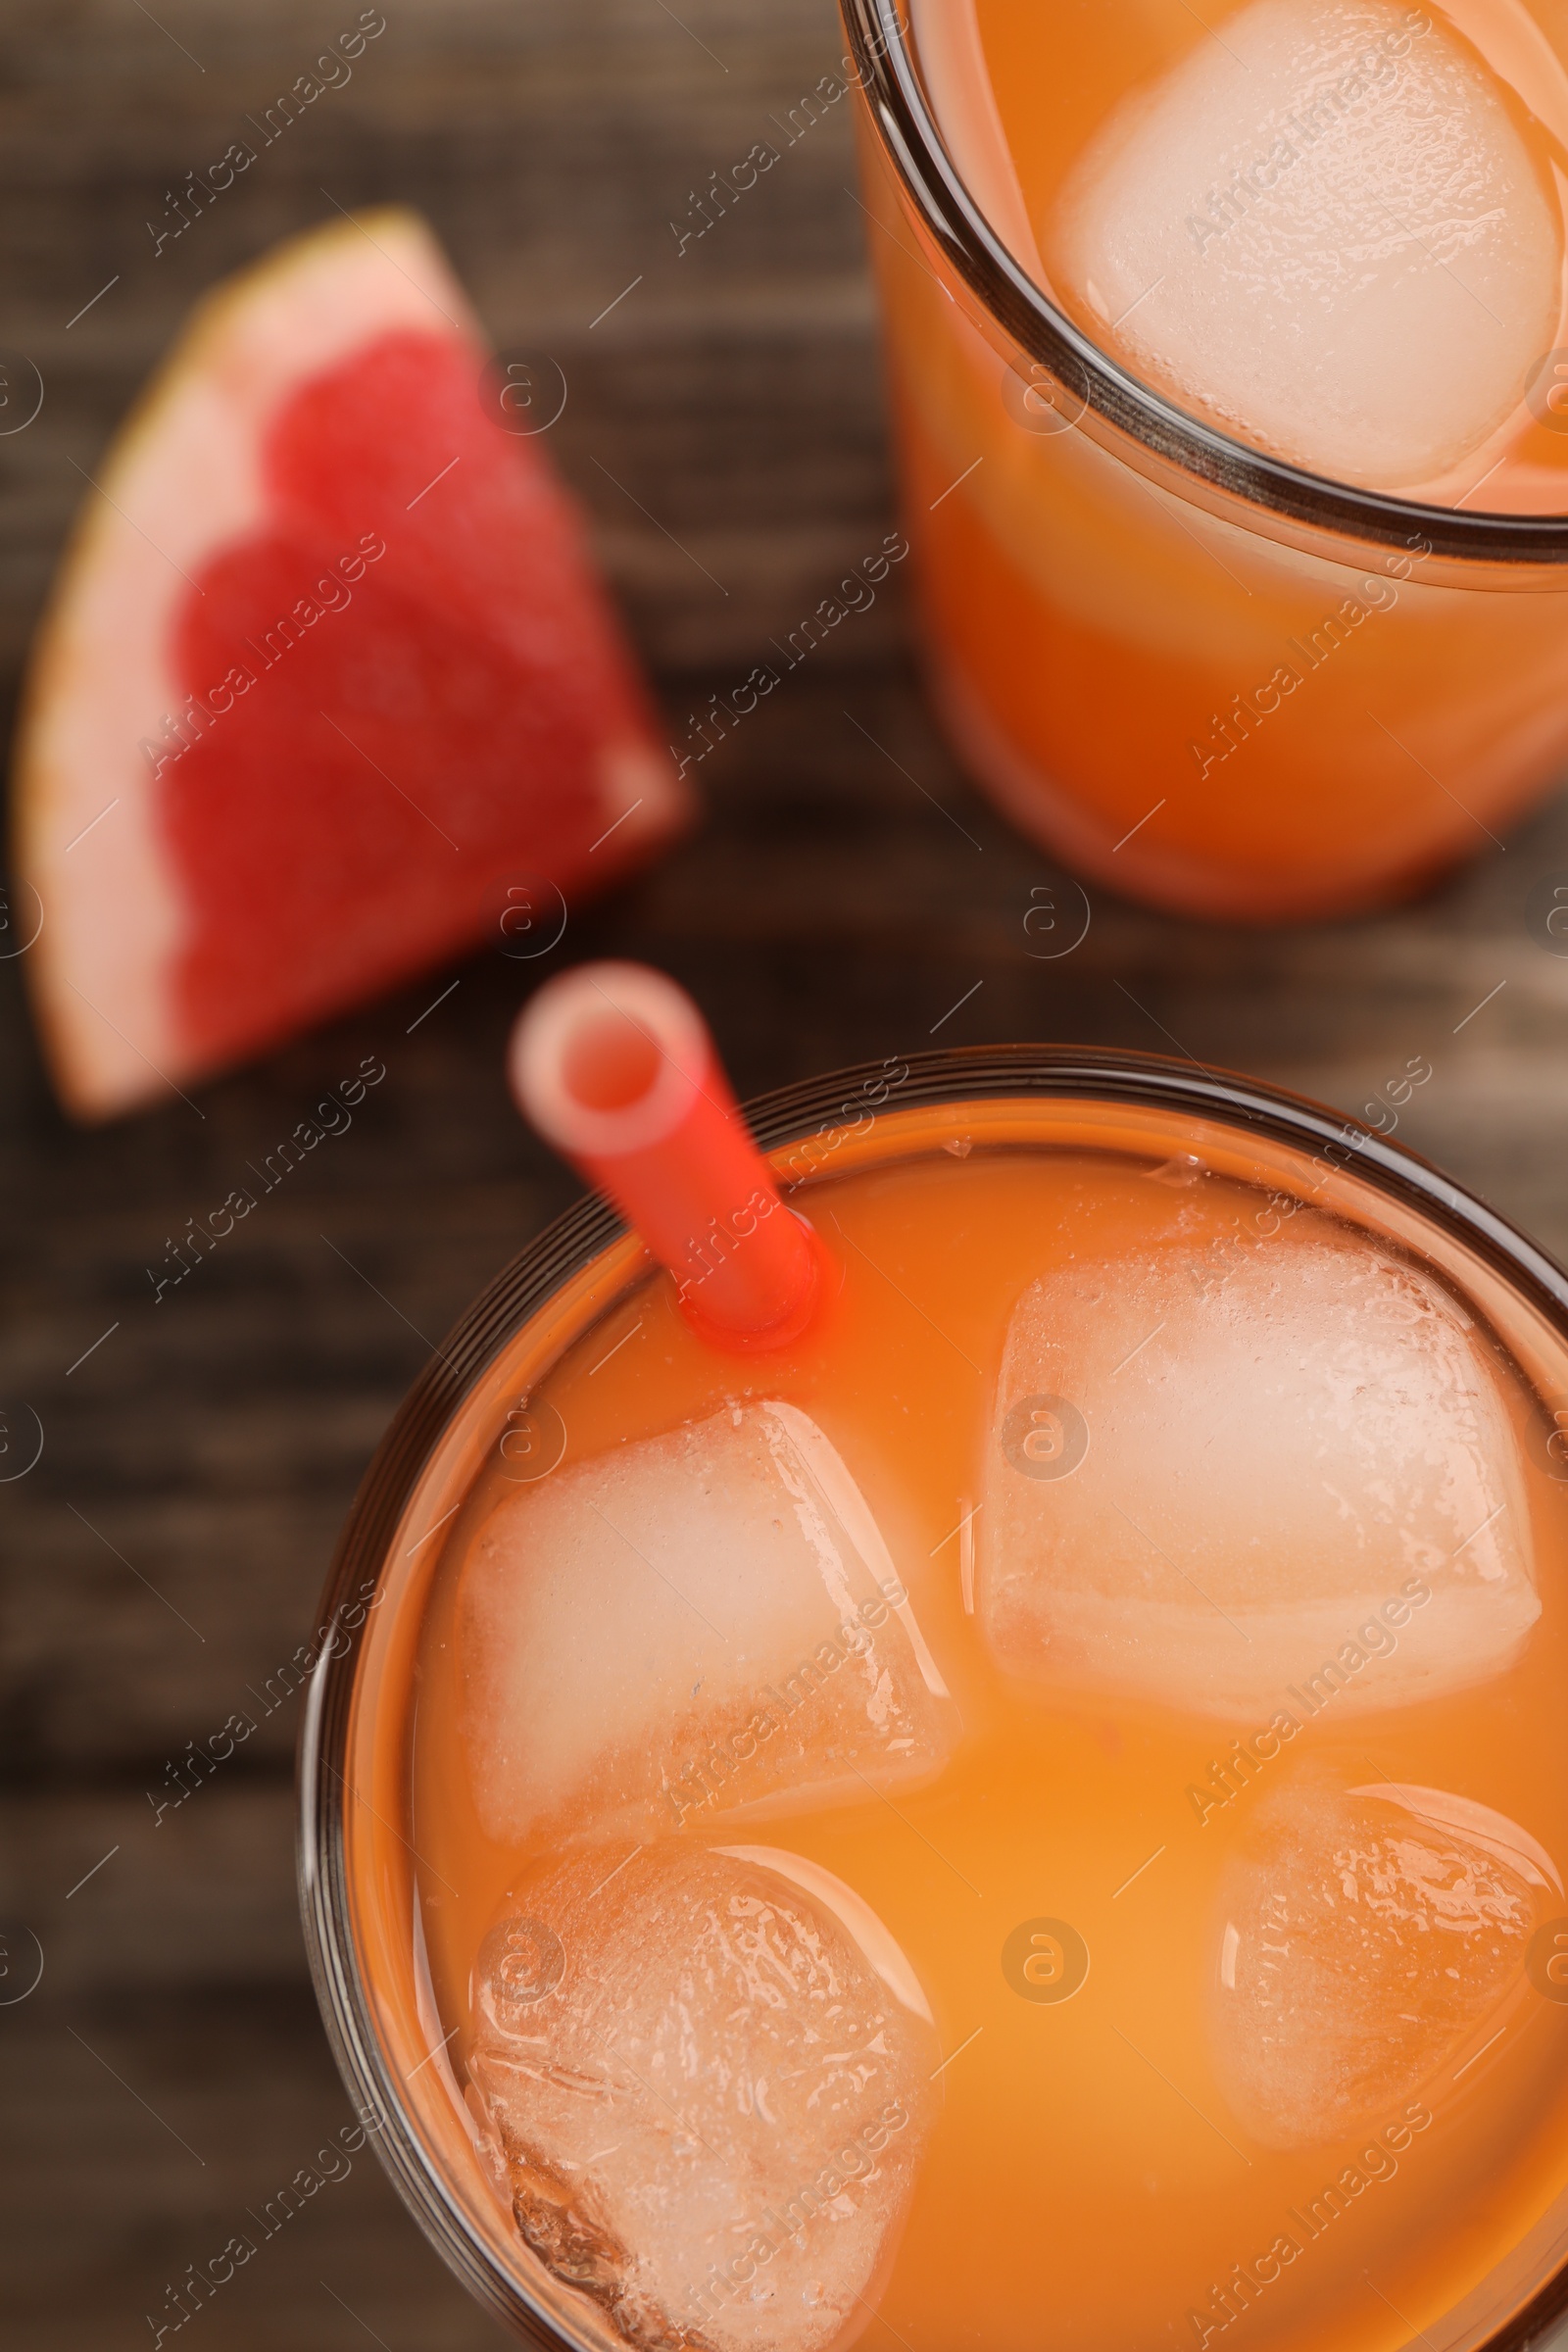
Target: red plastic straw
(613, 1066)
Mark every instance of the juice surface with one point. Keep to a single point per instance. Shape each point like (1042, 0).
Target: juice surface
(1087, 2180)
(1055, 75)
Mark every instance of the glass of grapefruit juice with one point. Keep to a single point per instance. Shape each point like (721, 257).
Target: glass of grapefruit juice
(1045, 1792)
(1230, 385)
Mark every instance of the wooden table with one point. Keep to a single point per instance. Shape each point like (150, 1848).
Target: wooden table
(165, 1555)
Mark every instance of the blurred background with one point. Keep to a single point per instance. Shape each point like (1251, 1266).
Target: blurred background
(845, 896)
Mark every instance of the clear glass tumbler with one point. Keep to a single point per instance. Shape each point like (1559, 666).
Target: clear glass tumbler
(360, 1877)
(1210, 680)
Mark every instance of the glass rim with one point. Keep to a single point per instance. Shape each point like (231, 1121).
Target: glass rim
(954, 1075)
(912, 143)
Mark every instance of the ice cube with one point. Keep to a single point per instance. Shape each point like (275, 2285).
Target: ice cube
(1323, 230)
(700, 1623)
(1367, 1937)
(709, 2091)
(1253, 1480)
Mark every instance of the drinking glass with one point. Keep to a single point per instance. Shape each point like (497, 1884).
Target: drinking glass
(357, 1883)
(1210, 680)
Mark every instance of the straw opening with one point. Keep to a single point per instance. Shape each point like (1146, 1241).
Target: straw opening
(608, 1060)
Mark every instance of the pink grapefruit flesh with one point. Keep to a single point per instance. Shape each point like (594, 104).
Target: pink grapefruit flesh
(326, 673)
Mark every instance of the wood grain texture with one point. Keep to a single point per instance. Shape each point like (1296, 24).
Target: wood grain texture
(845, 891)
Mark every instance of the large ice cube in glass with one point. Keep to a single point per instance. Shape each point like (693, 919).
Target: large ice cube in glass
(694, 1624)
(1282, 1480)
(708, 2086)
(1324, 229)
(1370, 1942)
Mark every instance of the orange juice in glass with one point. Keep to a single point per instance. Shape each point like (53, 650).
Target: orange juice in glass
(1230, 384)
(1031, 1806)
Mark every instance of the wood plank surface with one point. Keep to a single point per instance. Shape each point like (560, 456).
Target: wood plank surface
(845, 891)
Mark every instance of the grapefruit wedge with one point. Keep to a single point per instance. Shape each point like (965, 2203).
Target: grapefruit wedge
(326, 674)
